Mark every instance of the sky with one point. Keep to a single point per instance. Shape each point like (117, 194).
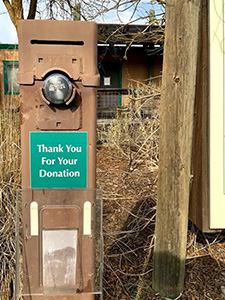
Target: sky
(8, 32)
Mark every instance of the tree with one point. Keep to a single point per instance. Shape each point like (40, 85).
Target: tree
(76, 9)
(15, 10)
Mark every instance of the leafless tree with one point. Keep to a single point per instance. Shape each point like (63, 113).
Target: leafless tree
(77, 9)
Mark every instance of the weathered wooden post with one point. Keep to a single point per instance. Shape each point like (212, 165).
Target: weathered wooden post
(176, 135)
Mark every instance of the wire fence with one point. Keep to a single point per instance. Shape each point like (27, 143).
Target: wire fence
(107, 102)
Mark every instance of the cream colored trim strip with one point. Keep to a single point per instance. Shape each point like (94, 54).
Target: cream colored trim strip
(217, 197)
(34, 219)
(87, 218)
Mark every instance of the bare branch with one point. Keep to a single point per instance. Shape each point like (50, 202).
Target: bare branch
(32, 9)
(10, 10)
(15, 11)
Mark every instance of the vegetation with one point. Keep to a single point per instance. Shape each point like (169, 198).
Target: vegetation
(10, 180)
(76, 9)
(127, 174)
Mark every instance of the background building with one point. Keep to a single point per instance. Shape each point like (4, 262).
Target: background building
(128, 55)
(8, 73)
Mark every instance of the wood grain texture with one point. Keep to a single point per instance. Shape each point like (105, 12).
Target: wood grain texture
(199, 200)
(176, 136)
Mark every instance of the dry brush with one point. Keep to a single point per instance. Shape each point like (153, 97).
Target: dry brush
(10, 181)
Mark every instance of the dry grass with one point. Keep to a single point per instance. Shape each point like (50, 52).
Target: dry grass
(127, 174)
(10, 180)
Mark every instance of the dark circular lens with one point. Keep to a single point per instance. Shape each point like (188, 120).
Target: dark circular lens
(57, 88)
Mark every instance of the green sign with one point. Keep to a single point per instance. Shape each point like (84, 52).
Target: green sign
(58, 159)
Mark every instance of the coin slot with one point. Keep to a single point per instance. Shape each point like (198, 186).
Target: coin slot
(57, 42)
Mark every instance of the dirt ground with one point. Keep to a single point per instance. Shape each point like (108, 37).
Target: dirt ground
(129, 196)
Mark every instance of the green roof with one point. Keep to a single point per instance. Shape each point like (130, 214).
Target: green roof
(8, 46)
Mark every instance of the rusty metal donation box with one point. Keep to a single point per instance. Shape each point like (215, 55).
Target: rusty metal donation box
(58, 208)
